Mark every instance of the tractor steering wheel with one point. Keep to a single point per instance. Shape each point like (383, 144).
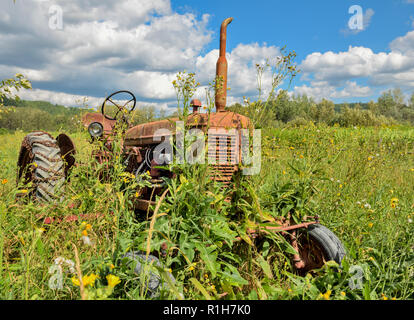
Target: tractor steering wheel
(128, 107)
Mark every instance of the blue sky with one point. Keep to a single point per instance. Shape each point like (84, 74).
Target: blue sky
(308, 26)
(101, 46)
(305, 26)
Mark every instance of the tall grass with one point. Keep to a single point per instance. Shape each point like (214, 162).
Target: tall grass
(362, 188)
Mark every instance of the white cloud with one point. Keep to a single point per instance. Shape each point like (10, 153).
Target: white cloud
(322, 89)
(242, 75)
(141, 45)
(382, 69)
(62, 98)
(104, 45)
(137, 45)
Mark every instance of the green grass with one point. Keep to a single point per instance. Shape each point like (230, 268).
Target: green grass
(356, 172)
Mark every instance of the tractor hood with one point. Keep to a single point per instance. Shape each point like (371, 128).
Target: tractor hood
(146, 133)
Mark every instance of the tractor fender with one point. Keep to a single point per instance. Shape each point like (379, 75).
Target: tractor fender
(67, 150)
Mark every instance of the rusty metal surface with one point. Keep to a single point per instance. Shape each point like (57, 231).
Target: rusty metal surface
(221, 68)
(143, 205)
(291, 227)
(196, 105)
(107, 124)
(145, 134)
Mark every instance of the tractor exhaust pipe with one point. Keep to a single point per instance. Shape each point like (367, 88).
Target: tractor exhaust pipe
(221, 69)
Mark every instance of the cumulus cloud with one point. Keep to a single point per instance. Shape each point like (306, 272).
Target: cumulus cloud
(104, 46)
(141, 45)
(382, 69)
(323, 89)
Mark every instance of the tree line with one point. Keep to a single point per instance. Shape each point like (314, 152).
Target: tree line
(389, 109)
(41, 115)
(284, 109)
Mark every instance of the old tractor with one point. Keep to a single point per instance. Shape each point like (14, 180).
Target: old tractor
(55, 156)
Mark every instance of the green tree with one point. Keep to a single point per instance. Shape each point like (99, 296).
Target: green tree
(8, 86)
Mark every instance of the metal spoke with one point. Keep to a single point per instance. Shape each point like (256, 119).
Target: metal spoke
(119, 108)
(127, 103)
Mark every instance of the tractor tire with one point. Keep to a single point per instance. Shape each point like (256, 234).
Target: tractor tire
(319, 245)
(333, 248)
(47, 171)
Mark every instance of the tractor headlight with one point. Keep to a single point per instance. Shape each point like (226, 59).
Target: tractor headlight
(95, 129)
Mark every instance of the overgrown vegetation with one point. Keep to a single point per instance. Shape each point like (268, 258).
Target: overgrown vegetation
(358, 180)
(363, 180)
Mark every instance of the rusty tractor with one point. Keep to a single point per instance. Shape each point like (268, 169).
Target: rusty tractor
(314, 244)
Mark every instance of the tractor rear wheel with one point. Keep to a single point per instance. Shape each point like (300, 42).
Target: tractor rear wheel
(41, 163)
(319, 245)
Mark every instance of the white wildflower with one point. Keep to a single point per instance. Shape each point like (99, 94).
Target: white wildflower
(86, 240)
(61, 262)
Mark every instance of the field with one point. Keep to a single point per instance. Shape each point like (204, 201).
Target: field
(360, 181)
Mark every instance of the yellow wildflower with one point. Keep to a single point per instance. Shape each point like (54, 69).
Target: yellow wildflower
(88, 227)
(327, 294)
(343, 294)
(89, 280)
(75, 281)
(394, 202)
(84, 233)
(4, 181)
(370, 225)
(112, 280)
(40, 230)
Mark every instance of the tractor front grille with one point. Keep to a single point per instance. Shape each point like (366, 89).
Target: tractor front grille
(222, 156)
